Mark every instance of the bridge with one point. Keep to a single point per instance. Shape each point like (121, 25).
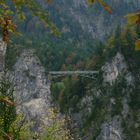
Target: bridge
(88, 74)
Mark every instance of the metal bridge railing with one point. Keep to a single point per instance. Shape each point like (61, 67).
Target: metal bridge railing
(88, 74)
(72, 72)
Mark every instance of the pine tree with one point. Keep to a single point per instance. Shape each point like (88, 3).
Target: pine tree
(7, 108)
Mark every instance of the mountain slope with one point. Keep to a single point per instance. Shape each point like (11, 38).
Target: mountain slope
(81, 26)
(92, 20)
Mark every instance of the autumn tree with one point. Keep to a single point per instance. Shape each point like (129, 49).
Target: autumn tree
(134, 20)
(10, 10)
(13, 10)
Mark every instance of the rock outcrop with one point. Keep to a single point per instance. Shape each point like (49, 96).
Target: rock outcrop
(32, 88)
(3, 46)
(114, 68)
(111, 130)
(113, 94)
(93, 20)
(102, 111)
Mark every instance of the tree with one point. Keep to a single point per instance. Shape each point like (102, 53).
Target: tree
(13, 126)
(11, 9)
(58, 129)
(15, 9)
(102, 3)
(7, 107)
(133, 20)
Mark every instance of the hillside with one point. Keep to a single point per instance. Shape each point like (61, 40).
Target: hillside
(82, 28)
(36, 105)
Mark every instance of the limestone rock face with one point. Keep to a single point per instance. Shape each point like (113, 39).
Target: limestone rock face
(94, 20)
(2, 55)
(111, 130)
(33, 97)
(32, 88)
(114, 68)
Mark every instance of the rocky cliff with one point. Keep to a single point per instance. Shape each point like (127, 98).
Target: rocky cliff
(106, 112)
(2, 55)
(75, 15)
(32, 88)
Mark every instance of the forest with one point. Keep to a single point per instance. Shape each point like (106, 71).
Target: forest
(50, 35)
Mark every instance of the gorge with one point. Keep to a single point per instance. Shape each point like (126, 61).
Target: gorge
(96, 72)
(33, 97)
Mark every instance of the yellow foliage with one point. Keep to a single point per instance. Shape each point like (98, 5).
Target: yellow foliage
(105, 6)
(137, 45)
(132, 18)
(57, 130)
(91, 1)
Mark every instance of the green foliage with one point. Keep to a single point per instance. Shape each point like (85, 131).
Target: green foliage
(57, 130)
(12, 54)
(123, 41)
(7, 111)
(131, 121)
(102, 108)
(68, 92)
(69, 55)
(14, 127)
(57, 88)
(98, 115)
(134, 103)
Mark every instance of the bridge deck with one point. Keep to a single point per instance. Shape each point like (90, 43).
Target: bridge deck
(73, 72)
